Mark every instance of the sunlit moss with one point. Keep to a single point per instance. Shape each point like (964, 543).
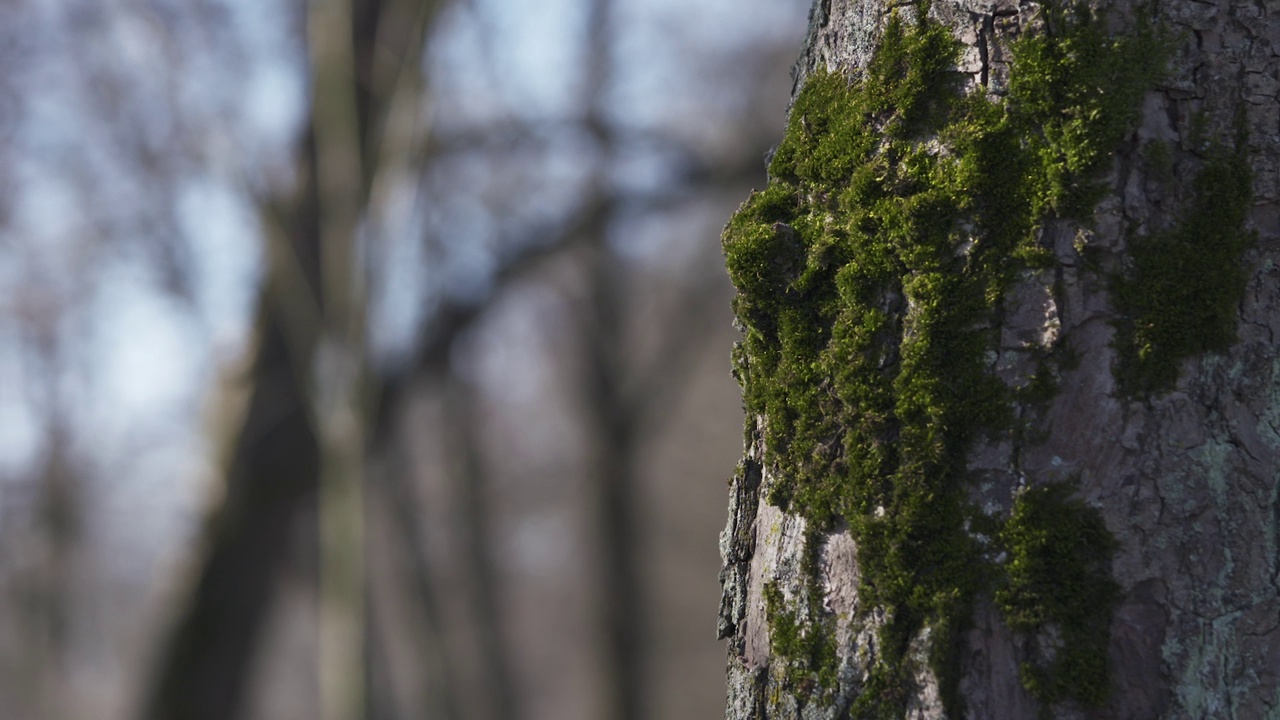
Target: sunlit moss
(870, 274)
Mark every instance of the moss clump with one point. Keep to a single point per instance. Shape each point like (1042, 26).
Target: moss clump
(1058, 588)
(1085, 90)
(1181, 295)
(870, 274)
(808, 646)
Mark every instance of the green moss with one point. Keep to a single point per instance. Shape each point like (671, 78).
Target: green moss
(1058, 588)
(806, 641)
(870, 274)
(1085, 90)
(1180, 297)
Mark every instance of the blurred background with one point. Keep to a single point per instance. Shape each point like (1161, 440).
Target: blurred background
(370, 358)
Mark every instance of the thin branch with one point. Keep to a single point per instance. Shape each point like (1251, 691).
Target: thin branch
(473, 482)
(404, 515)
(454, 317)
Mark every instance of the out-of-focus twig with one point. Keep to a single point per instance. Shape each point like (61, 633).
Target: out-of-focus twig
(453, 317)
(473, 487)
(620, 597)
(441, 680)
(340, 170)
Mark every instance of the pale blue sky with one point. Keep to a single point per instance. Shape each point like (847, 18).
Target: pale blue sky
(142, 360)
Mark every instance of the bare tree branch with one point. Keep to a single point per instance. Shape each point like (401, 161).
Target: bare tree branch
(403, 505)
(473, 485)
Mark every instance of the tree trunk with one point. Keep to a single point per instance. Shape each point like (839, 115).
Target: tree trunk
(203, 669)
(1010, 311)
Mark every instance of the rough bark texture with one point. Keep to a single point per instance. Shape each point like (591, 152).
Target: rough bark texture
(1185, 477)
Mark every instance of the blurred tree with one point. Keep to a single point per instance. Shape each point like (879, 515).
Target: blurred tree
(471, 456)
(303, 429)
(1009, 315)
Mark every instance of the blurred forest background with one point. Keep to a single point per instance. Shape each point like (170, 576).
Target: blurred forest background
(370, 358)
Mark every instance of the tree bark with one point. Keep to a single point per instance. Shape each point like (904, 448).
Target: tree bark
(1129, 491)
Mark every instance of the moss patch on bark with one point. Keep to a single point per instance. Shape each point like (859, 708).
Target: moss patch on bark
(1057, 577)
(870, 274)
(1181, 296)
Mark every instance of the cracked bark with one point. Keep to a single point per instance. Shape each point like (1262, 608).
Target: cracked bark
(1186, 480)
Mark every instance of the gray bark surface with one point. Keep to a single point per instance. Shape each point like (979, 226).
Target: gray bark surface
(1186, 480)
